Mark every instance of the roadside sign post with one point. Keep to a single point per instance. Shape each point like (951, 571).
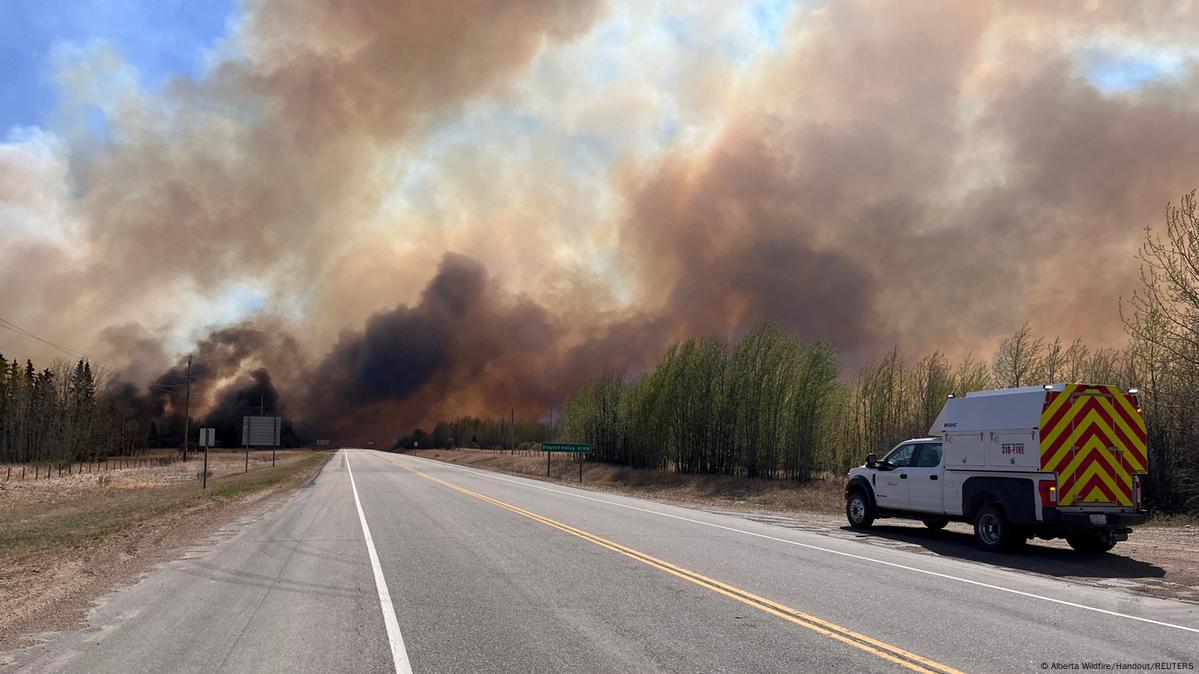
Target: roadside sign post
(207, 439)
(582, 449)
(260, 431)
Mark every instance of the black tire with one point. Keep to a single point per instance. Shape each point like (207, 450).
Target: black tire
(935, 524)
(993, 532)
(1092, 543)
(858, 510)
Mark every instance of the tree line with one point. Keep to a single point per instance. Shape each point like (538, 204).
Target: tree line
(478, 433)
(65, 412)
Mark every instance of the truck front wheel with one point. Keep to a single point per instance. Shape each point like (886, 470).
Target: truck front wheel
(858, 510)
(1092, 542)
(935, 524)
(992, 530)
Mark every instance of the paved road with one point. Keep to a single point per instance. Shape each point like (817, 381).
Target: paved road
(467, 571)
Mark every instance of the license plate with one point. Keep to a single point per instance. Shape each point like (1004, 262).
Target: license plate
(1098, 519)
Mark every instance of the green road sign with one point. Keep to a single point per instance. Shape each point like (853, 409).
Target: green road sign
(567, 447)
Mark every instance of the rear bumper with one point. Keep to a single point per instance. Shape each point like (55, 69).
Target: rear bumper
(1082, 520)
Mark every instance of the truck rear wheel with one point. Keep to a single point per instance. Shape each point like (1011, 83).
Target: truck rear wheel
(992, 530)
(858, 510)
(1092, 543)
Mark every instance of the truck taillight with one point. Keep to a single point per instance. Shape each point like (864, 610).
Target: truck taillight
(1048, 493)
(1138, 494)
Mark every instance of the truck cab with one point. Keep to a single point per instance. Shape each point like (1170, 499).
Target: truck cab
(909, 477)
(1058, 461)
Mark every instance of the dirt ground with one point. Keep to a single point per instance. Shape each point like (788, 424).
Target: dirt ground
(1160, 559)
(65, 542)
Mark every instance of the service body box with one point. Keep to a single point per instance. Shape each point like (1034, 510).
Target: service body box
(1014, 450)
(1090, 437)
(964, 450)
(995, 430)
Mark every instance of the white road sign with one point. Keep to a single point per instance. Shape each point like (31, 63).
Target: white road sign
(260, 431)
(208, 437)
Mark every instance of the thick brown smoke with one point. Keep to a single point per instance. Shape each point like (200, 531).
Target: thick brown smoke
(928, 174)
(853, 200)
(260, 171)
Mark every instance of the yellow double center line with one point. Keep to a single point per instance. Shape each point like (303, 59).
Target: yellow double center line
(862, 642)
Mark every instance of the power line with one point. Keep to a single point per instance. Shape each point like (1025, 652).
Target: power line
(9, 325)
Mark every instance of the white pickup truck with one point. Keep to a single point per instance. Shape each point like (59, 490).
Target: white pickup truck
(1055, 461)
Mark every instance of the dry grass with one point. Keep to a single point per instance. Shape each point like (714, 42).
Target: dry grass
(15, 493)
(1186, 520)
(64, 544)
(825, 495)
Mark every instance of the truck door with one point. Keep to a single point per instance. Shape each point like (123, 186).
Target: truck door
(891, 485)
(925, 480)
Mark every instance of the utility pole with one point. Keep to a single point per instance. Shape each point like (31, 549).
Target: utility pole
(187, 408)
(513, 431)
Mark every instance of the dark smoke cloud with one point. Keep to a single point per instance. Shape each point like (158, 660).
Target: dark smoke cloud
(248, 395)
(462, 336)
(223, 357)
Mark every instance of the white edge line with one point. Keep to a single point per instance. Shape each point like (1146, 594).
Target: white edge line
(989, 586)
(399, 654)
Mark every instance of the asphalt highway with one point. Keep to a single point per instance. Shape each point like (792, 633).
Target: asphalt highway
(390, 563)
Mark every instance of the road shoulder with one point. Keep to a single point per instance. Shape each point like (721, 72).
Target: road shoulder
(61, 555)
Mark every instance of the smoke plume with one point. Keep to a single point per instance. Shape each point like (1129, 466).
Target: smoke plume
(377, 214)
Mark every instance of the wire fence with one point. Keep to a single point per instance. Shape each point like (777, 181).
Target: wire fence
(45, 470)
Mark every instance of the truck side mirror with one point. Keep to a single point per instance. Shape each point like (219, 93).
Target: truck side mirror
(870, 460)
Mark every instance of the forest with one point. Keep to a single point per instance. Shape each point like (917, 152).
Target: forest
(67, 412)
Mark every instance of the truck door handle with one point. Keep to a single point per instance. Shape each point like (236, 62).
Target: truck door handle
(932, 477)
(903, 476)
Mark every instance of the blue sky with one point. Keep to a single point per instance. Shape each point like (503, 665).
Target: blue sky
(160, 38)
(1114, 73)
(165, 38)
